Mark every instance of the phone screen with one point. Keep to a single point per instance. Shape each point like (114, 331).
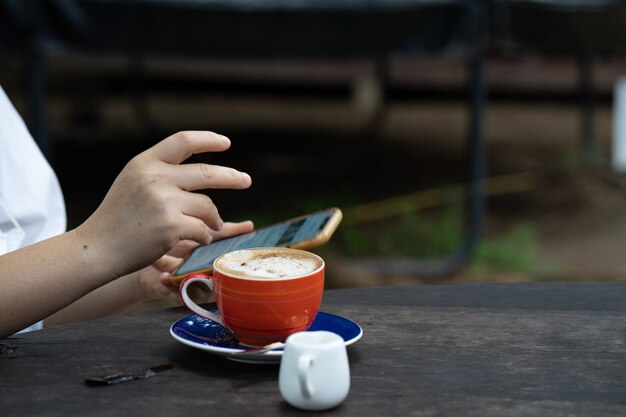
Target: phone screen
(282, 234)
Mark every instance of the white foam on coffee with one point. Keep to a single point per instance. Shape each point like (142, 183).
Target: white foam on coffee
(271, 266)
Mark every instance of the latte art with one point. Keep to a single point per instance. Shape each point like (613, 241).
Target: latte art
(270, 264)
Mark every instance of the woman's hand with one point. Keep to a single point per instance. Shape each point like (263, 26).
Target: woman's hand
(150, 207)
(155, 280)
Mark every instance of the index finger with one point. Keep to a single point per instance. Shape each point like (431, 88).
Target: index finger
(180, 146)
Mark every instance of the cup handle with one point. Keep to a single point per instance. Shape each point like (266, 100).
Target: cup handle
(205, 280)
(304, 367)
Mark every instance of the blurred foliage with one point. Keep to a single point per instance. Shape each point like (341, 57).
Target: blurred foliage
(514, 251)
(423, 234)
(431, 235)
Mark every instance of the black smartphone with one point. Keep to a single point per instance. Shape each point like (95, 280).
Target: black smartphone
(303, 232)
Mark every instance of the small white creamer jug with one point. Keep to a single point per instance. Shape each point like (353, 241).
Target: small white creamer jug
(314, 370)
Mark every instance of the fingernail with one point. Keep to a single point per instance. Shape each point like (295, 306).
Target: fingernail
(246, 177)
(225, 140)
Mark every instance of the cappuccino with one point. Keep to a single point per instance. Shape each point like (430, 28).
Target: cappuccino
(271, 263)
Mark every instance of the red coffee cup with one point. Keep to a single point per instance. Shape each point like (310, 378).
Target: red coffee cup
(263, 294)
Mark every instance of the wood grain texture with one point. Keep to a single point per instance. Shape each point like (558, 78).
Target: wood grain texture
(553, 349)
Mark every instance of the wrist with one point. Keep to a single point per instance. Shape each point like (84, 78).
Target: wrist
(93, 254)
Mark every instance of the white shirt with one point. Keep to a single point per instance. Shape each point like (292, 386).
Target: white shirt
(31, 202)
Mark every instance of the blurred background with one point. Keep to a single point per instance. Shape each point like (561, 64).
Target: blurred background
(465, 141)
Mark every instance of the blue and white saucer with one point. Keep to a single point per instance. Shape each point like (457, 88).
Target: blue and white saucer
(205, 334)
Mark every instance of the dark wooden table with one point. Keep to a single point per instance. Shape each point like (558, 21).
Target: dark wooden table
(542, 349)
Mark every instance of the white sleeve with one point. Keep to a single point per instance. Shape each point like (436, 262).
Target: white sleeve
(31, 202)
(29, 189)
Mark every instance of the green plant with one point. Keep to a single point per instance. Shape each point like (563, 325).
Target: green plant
(514, 251)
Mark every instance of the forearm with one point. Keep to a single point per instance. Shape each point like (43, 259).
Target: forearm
(116, 297)
(38, 280)
(148, 210)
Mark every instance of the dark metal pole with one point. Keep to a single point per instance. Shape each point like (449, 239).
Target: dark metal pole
(35, 67)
